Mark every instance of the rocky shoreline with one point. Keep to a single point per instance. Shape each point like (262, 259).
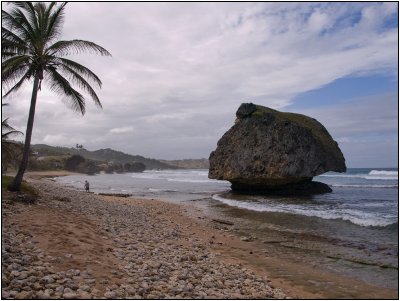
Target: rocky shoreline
(74, 245)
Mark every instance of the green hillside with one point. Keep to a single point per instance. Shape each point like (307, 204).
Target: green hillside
(108, 155)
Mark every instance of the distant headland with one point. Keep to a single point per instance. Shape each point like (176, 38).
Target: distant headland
(79, 159)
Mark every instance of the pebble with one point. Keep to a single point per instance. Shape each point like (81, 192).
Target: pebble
(23, 295)
(84, 295)
(110, 295)
(71, 295)
(151, 263)
(85, 288)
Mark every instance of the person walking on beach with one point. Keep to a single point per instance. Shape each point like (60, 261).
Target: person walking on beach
(86, 186)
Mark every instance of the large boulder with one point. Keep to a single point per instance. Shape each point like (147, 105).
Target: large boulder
(267, 150)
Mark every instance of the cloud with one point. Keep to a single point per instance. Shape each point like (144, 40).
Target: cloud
(180, 70)
(122, 130)
(366, 129)
(54, 139)
(366, 116)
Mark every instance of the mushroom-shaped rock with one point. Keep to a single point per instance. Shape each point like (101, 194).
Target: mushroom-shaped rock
(271, 151)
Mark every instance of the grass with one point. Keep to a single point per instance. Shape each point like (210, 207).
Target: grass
(25, 187)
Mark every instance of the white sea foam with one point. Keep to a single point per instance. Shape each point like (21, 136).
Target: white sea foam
(382, 175)
(372, 175)
(184, 176)
(363, 186)
(162, 190)
(384, 172)
(194, 181)
(333, 212)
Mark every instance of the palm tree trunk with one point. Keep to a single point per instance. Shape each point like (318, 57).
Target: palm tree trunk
(16, 184)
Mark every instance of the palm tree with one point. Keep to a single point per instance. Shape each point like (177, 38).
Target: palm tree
(10, 150)
(31, 50)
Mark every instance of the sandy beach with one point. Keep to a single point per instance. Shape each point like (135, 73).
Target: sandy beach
(72, 244)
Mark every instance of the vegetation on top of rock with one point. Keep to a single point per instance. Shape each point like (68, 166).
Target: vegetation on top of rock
(318, 130)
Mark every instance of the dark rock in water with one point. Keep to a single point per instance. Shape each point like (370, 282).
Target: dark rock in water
(271, 151)
(299, 189)
(121, 195)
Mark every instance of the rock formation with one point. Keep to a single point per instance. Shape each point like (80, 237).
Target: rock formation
(271, 151)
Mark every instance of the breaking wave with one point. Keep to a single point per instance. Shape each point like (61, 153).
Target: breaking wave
(371, 175)
(358, 217)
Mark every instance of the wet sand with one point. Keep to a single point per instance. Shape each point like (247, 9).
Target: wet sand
(301, 264)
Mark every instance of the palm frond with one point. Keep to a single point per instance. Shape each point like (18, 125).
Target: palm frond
(28, 74)
(6, 54)
(9, 42)
(42, 19)
(76, 47)
(10, 130)
(60, 85)
(84, 71)
(12, 37)
(16, 21)
(27, 31)
(56, 20)
(81, 83)
(26, 6)
(11, 48)
(13, 67)
(6, 135)
(10, 152)
(30, 10)
(4, 123)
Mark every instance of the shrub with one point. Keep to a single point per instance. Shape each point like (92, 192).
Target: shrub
(25, 187)
(73, 162)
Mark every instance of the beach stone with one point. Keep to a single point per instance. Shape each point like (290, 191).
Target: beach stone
(23, 295)
(85, 288)
(48, 279)
(23, 275)
(59, 289)
(48, 292)
(68, 290)
(84, 295)
(71, 295)
(271, 151)
(14, 274)
(110, 295)
(5, 294)
(92, 281)
(95, 292)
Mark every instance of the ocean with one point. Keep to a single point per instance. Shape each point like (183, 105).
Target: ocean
(362, 196)
(352, 231)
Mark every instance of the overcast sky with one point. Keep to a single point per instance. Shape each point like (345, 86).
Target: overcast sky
(179, 71)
